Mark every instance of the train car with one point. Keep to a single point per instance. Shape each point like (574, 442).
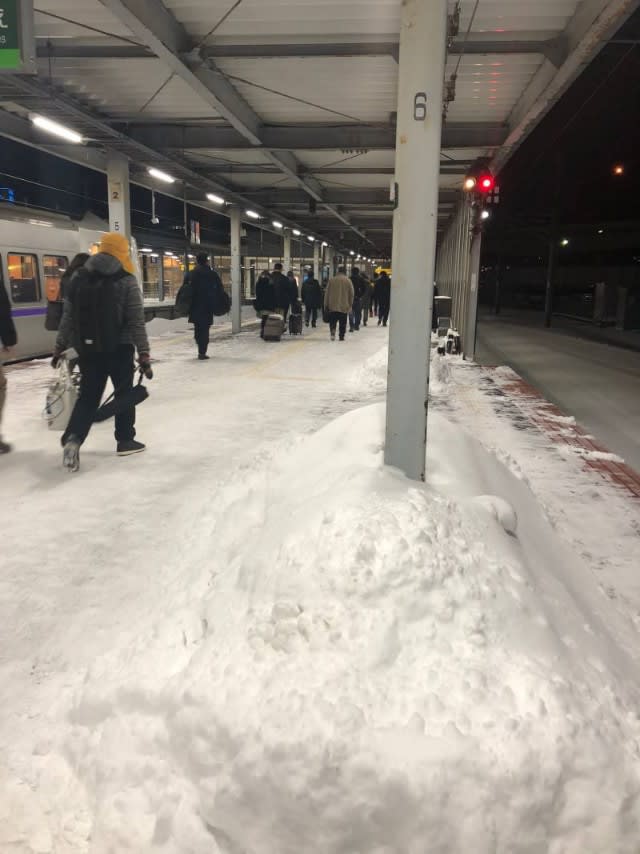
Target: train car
(35, 250)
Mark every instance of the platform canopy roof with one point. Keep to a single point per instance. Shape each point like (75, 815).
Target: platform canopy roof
(288, 106)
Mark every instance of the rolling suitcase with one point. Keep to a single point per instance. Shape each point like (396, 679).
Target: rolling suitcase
(273, 328)
(295, 324)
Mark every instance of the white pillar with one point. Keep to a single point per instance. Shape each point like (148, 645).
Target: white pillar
(423, 34)
(469, 346)
(316, 260)
(119, 204)
(236, 274)
(287, 252)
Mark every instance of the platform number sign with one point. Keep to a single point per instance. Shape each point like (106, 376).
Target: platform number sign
(17, 45)
(420, 107)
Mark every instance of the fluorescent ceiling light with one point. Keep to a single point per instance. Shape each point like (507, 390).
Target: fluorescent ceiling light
(42, 222)
(147, 251)
(324, 243)
(252, 214)
(57, 129)
(352, 252)
(296, 232)
(160, 175)
(276, 224)
(311, 239)
(485, 214)
(217, 200)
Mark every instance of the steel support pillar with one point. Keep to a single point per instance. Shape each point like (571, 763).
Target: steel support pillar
(471, 323)
(286, 238)
(236, 273)
(119, 203)
(316, 260)
(423, 34)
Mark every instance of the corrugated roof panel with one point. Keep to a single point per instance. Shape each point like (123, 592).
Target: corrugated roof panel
(510, 15)
(372, 180)
(320, 89)
(122, 87)
(64, 19)
(370, 159)
(231, 157)
(288, 17)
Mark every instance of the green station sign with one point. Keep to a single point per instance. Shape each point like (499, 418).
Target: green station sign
(10, 55)
(17, 42)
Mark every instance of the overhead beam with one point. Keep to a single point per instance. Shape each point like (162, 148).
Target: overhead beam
(446, 168)
(352, 198)
(350, 46)
(310, 137)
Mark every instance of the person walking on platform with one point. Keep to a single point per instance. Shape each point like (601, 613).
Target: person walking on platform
(366, 300)
(8, 339)
(312, 299)
(204, 283)
(374, 296)
(282, 291)
(338, 301)
(294, 294)
(359, 287)
(383, 297)
(265, 301)
(103, 320)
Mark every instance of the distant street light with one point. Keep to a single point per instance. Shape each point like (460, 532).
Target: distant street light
(618, 169)
(564, 241)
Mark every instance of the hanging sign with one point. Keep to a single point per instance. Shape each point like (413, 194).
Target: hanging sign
(17, 43)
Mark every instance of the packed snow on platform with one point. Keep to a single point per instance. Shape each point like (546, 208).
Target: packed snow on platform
(351, 664)
(375, 667)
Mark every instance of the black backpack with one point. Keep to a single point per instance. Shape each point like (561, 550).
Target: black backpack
(184, 297)
(221, 300)
(97, 318)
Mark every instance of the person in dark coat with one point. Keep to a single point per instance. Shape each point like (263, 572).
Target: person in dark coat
(312, 297)
(294, 294)
(359, 288)
(204, 282)
(282, 290)
(383, 297)
(8, 339)
(55, 307)
(265, 301)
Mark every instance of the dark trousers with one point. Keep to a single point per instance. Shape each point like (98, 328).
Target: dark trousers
(383, 313)
(95, 371)
(312, 315)
(201, 334)
(366, 308)
(356, 315)
(335, 318)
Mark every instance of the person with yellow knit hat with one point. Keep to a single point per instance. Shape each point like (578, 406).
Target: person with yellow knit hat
(103, 320)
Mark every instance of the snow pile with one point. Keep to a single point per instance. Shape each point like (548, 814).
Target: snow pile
(361, 665)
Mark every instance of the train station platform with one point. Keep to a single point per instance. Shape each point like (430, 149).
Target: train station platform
(254, 637)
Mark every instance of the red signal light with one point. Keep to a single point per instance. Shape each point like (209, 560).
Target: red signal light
(486, 183)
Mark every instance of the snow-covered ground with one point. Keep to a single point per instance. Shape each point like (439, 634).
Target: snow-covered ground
(597, 383)
(255, 639)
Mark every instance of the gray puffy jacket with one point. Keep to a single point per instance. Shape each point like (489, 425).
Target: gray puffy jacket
(130, 306)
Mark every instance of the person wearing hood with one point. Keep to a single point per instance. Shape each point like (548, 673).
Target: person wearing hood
(103, 320)
(8, 339)
(312, 298)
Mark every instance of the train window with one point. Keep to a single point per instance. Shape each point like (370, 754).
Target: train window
(24, 281)
(173, 275)
(150, 266)
(54, 267)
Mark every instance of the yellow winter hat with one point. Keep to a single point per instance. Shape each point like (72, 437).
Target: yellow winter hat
(117, 245)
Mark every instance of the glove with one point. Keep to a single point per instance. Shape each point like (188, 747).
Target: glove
(56, 359)
(144, 361)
